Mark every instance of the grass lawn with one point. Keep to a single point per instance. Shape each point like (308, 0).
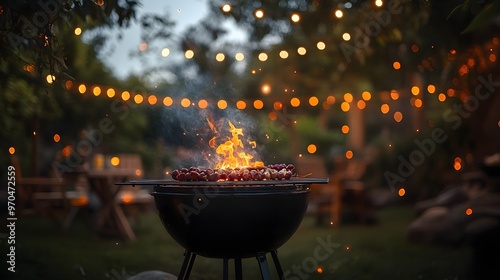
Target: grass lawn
(377, 251)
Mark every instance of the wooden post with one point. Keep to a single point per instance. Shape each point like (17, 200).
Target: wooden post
(356, 123)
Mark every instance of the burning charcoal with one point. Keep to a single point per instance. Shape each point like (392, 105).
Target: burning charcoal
(290, 167)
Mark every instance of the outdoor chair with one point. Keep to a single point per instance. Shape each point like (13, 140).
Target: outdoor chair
(349, 174)
(47, 196)
(325, 199)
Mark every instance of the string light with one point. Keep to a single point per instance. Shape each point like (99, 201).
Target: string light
(366, 95)
(321, 46)
(348, 97)
(82, 89)
(265, 89)
(259, 13)
(68, 84)
(295, 102)
(313, 101)
(361, 104)
(273, 116)
(138, 98)
(50, 78)
(349, 154)
(226, 8)
(468, 211)
(431, 89)
(295, 17)
(278, 106)
(125, 95)
(167, 101)
(339, 13)
(394, 95)
(284, 54)
(241, 104)
(220, 57)
(311, 149)
(222, 104)
(239, 56)
(398, 116)
(401, 192)
(262, 57)
(189, 54)
(152, 100)
(345, 129)
(165, 52)
(78, 31)
(96, 91)
(415, 90)
(110, 92)
(185, 102)
(384, 108)
(203, 104)
(258, 104)
(330, 99)
(344, 106)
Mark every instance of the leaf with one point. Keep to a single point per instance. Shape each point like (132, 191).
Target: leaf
(456, 9)
(484, 17)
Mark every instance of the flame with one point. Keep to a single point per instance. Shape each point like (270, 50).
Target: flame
(253, 143)
(212, 126)
(232, 150)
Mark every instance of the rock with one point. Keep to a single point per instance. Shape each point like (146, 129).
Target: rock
(153, 275)
(435, 225)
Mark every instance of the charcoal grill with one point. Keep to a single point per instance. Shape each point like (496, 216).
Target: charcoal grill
(231, 219)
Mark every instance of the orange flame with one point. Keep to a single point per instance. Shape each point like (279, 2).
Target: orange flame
(232, 150)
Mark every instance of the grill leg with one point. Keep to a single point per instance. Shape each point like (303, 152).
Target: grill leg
(225, 269)
(187, 265)
(264, 268)
(237, 269)
(277, 264)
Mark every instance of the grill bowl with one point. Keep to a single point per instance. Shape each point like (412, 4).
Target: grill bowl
(231, 219)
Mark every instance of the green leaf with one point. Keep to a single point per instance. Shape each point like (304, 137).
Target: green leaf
(484, 17)
(456, 10)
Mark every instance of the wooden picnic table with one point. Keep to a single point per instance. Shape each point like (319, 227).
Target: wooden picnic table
(110, 214)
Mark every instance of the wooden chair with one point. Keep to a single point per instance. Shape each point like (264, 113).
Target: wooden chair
(325, 200)
(349, 173)
(47, 196)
